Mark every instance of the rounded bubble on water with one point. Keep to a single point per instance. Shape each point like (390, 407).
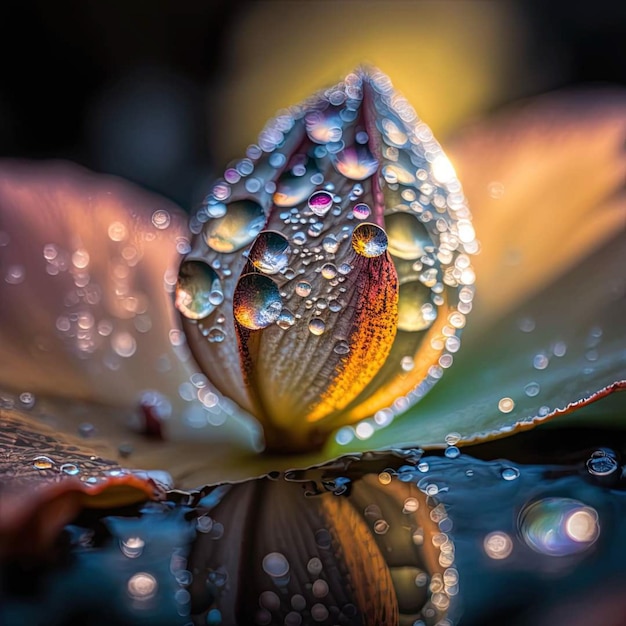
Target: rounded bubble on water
(407, 236)
(317, 326)
(320, 202)
(256, 301)
(498, 545)
(270, 252)
(559, 526)
(198, 290)
(369, 240)
(242, 222)
(510, 473)
(275, 565)
(361, 211)
(142, 586)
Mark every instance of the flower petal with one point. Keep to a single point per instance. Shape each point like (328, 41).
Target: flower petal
(553, 354)
(545, 181)
(87, 267)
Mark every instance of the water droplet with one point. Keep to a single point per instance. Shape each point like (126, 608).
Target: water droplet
(602, 464)
(540, 361)
(510, 473)
(320, 202)
(161, 219)
(320, 588)
(286, 319)
(70, 469)
(123, 344)
(355, 162)
(559, 526)
(415, 311)
(506, 405)
(303, 288)
(256, 301)
(341, 347)
(27, 399)
(197, 290)
(243, 221)
(369, 240)
(330, 244)
(323, 127)
(275, 564)
(319, 612)
(132, 547)
(452, 452)
(329, 271)
(532, 389)
(269, 600)
(292, 190)
(43, 463)
(361, 211)
(407, 236)
(381, 527)
(498, 545)
(142, 586)
(270, 252)
(317, 326)
(314, 566)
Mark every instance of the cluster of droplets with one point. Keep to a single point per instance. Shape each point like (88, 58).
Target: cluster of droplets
(279, 235)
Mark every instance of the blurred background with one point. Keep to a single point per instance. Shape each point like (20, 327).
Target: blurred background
(164, 93)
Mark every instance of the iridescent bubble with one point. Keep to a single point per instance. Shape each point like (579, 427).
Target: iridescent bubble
(415, 311)
(369, 240)
(196, 290)
(355, 162)
(361, 211)
(320, 202)
(559, 526)
(256, 301)
(243, 221)
(270, 252)
(407, 236)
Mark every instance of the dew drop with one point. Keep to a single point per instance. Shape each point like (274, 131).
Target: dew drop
(292, 190)
(407, 236)
(532, 389)
(329, 271)
(161, 219)
(317, 326)
(243, 221)
(506, 405)
(270, 252)
(123, 344)
(510, 473)
(355, 162)
(142, 586)
(43, 463)
(341, 347)
(198, 290)
(256, 301)
(286, 319)
(602, 464)
(275, 564)
(303, 289)
(330, 244)
(70, 469)
(320, 202)
(498, 545)
(559, 526)
(452, 452)
(323, 127)
(369, 240)
(361, 211)
(132, 547)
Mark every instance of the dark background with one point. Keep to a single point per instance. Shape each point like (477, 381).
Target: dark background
(78, 77)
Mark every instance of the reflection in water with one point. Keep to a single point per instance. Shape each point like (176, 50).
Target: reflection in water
(379, 538)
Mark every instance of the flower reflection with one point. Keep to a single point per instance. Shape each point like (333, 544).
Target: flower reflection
(325, 301)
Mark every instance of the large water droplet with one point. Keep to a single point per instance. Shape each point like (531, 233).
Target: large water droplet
(292, 190)
(407, 236)
(355, 162)
(256, 301)
(197, 290)
(43, 463)
(320, 202)
(270, 252)
(323, 127)
(559, 526)
(369, 240)
(275, 564)
(415, 311)
(243, 221)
